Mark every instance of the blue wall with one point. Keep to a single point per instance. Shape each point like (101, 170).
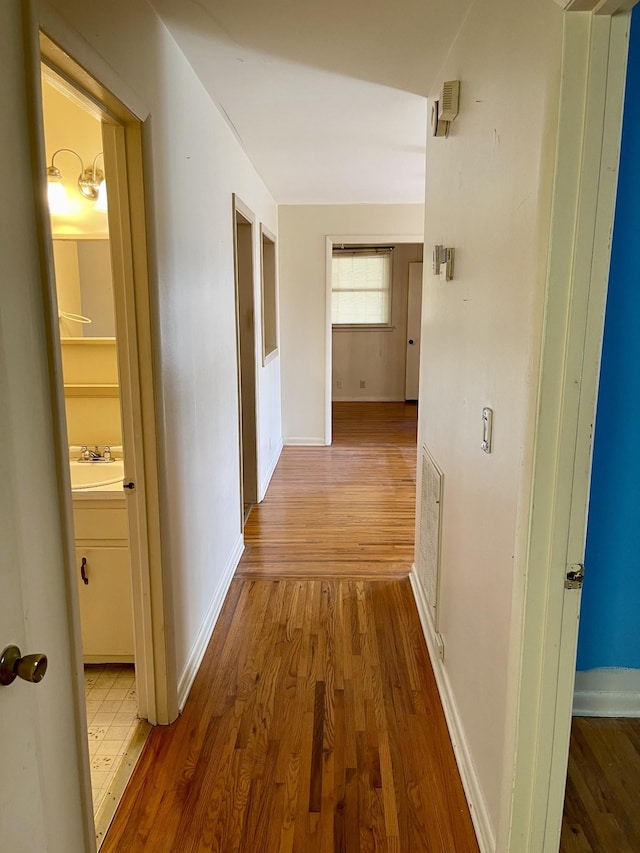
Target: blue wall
(610, 617)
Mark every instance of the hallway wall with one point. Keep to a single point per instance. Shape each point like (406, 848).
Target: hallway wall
(488, 196)
(191, 175)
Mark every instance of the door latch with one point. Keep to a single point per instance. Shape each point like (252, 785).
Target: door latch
(575, 576)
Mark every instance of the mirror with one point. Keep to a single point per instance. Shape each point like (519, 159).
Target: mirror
(84, 288)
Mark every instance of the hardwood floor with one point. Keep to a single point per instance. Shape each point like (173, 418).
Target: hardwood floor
(314, 723)
(347, 509)
(602, 802)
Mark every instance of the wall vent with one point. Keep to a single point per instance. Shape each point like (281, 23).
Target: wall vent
(430, 532)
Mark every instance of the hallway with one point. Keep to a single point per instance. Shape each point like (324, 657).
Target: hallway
(314, 723)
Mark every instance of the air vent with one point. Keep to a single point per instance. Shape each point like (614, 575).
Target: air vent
(449, 100)
(430, 526)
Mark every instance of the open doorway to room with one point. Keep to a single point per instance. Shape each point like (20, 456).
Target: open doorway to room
(88, 349)
(243, 226)
(97, 260)
(375, 308)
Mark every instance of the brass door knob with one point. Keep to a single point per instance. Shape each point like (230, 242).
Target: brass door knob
(30, 667)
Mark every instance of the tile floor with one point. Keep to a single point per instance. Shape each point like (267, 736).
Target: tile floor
(112, 707)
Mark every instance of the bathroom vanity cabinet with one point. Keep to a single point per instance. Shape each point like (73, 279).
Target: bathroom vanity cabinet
(102, 538)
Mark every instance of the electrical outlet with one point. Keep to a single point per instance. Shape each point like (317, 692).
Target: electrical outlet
(363, 383)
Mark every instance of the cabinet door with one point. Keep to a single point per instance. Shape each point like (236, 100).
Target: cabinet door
(105, 604)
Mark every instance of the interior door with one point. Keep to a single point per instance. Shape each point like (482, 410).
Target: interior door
(414, 313)
(44, 791)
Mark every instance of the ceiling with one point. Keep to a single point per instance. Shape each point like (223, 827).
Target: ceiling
(327, 99)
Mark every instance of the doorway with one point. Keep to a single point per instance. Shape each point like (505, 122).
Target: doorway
(89, 354)
(364, 361)
(244, 221)
(376, 297)
(96, 252)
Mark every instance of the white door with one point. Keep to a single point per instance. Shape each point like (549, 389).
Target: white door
(414, 312)
(593, 80)
(43, 802)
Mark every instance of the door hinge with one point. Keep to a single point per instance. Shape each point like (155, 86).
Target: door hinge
(575, 576)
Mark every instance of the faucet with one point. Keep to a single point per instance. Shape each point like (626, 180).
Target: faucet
(95, 455)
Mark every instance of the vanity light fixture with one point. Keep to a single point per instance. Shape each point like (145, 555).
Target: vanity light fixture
(90, 183)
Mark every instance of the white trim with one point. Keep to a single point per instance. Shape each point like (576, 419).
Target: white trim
(209, 623)
(598, 7)
(468, 774)
(328, 342)
(607, 692)
(296, 441)
(269, 474)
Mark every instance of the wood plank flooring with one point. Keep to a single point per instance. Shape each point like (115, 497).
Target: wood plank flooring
(602, 802)
(314, 723)
(347, 509)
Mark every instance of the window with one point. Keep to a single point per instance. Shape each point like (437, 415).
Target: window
(361, 286)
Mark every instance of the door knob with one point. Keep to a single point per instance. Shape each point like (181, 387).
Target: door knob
(410, 340)
(30, 667)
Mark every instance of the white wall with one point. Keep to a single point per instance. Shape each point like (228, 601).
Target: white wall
(488, 189)
(193, 165)
(377, 356)
(303, 307)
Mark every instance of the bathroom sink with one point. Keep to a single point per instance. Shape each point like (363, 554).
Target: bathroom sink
(96, 476)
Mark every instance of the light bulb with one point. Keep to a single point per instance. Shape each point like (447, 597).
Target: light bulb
(101, 201)
(57, 195)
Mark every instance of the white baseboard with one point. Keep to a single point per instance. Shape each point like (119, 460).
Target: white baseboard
(294, 441)
(470, 782)
(206, 629)
(272, 467)
(607, 692)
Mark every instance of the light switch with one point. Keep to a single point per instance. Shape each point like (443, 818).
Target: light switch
(487, 429)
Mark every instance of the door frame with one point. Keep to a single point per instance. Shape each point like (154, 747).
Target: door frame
(122, 136)
(330, 240)
(242, 210)
(545, 614)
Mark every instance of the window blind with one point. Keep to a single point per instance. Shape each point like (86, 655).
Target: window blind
(361, 287)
